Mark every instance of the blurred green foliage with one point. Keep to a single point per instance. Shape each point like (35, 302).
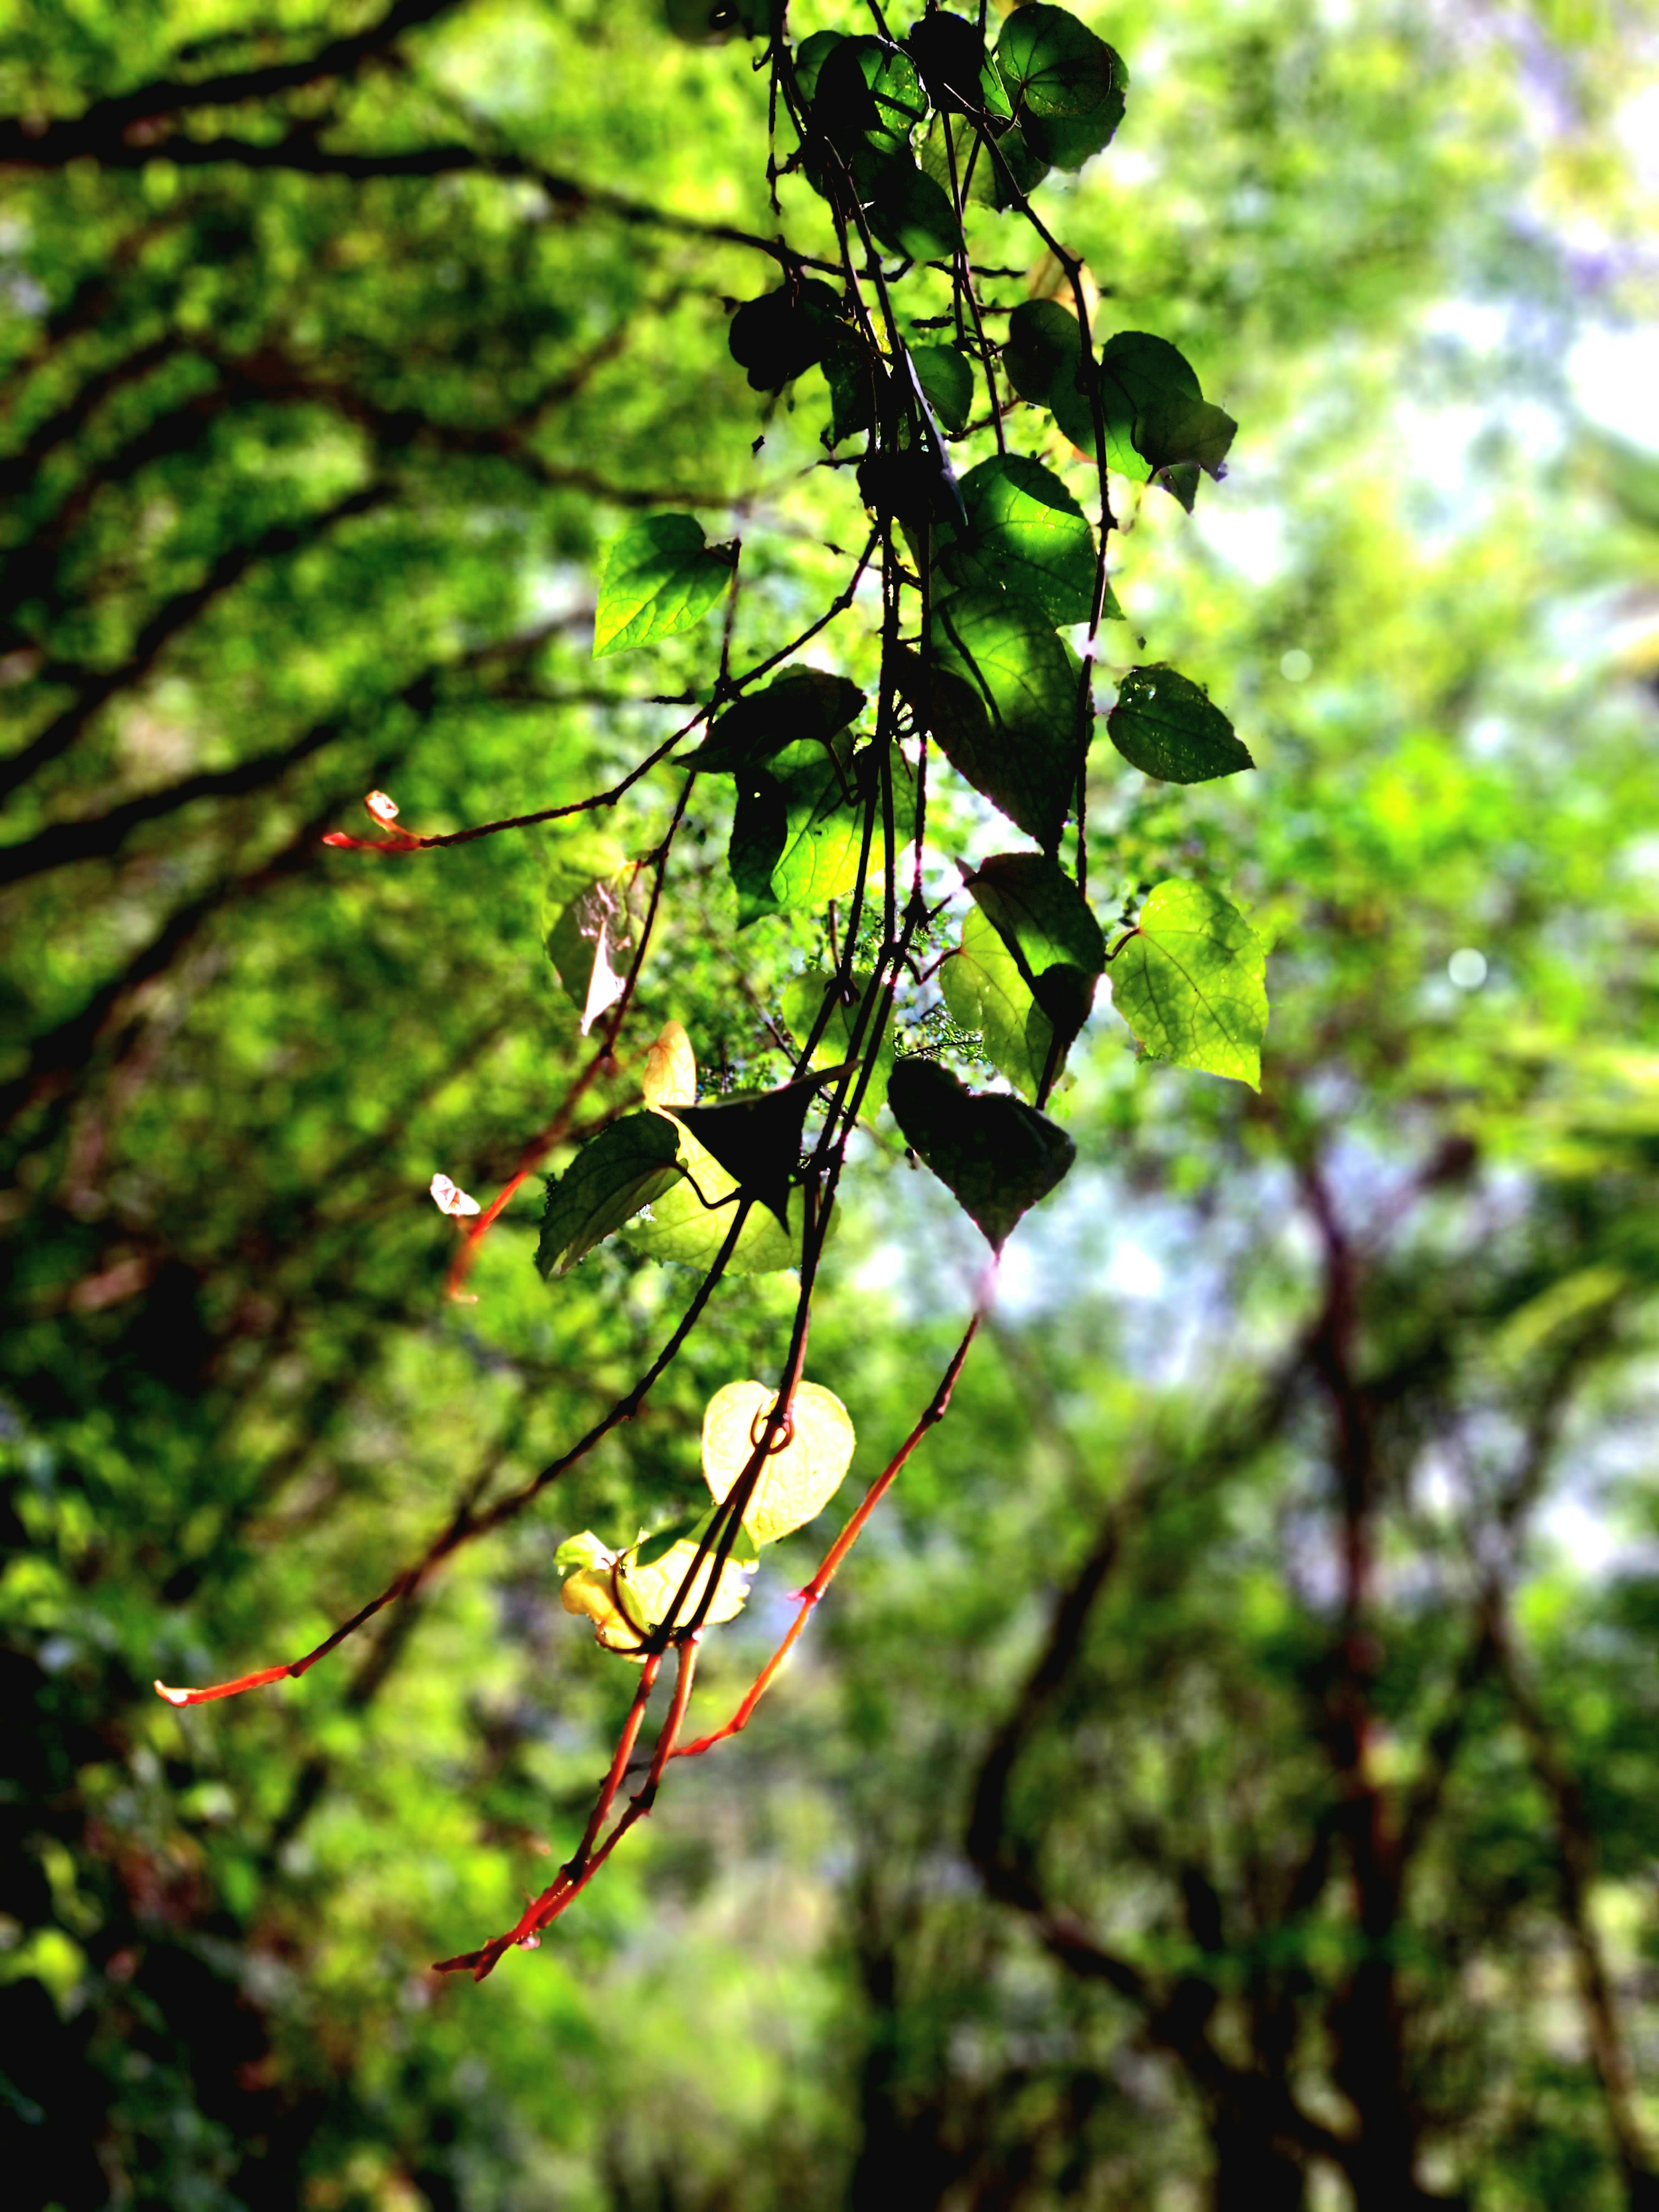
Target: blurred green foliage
(1091, 1849)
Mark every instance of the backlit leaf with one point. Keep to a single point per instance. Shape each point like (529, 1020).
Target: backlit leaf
(985, 993)
(798, 1479)
(1156, 417)
(947, 378)
(688, 1224)
(661, 577)
(1003, 705)
(797, 831)
(1044, 920)
(1164, 725)
(1067, 85)
(909, 211)
(1191, 982)
(615, 1174)
(671, 1069)
(1026, 534)
(757, 1139)
(996, 1156)
(592, 940)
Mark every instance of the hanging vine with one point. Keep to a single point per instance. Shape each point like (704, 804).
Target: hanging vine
(986, 582)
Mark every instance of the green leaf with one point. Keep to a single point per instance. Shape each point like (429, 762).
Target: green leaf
(592, 939)
(797, 830)
(1044, 920)
(803, 705)
(1026, 534)
(784, 333)
(959, 76)
(947, 378)
(625, 1167)
(867, 98)
(1191, 982)
(801, 1002)
(756, 1139)
(809, 57)
(1043, 357)
(996, 1156)
(1003, 705)
(684, 1230)
(583, 1550)
(1164, 725)
(659, 577)
(1156, 417)
(1065, 84)
(909, 211)
(985, 992)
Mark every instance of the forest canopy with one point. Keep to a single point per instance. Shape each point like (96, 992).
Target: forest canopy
(1039, 532)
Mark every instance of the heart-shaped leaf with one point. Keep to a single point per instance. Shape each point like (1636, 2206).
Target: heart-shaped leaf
(797, 830)
(1191, 982)
(947, 378)
(986, 994)
(804, 705)
(1026, 534)
(1043, 357)
(1065, 84)
(801, 1003)
(659, 577)
(996, 1156)
(1164, 725)
(784, 333)
(757, 1140)
(614, 1175)
(1045, 921)
(1002, 701)
(799, 1478)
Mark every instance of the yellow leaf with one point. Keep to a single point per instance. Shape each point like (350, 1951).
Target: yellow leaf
(797, 1482)
(626, 1603)
(670, 1070)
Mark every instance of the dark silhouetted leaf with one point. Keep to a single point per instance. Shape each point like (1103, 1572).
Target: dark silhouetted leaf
(1191, 982)
(909, 211)
(996, 1156)
(1165, 726)
(1043, 357)
(1065, 84)
(802, 706)
(1158, 420)
(868, 100)
(614, 1175)
(784, 333)
(958, 74)
(757, 1141)
(810, 56)
(855, 382)
(659, 577)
